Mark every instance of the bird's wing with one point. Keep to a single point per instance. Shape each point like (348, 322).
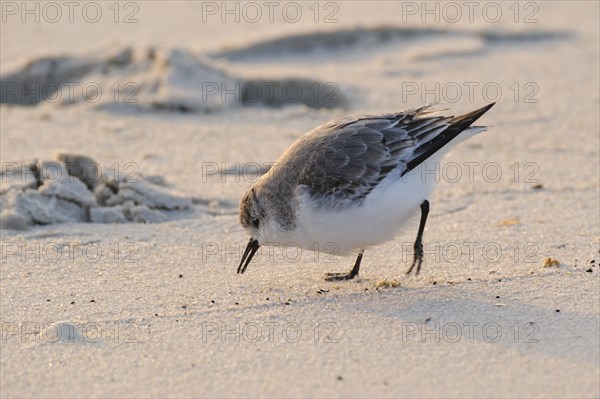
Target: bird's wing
(350, 157)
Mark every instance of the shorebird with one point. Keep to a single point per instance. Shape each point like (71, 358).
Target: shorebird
(348, 183)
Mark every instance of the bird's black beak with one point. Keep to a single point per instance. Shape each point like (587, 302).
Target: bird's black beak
(249, 252)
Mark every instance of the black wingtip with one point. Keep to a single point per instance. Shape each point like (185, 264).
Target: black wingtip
(469, 118)
(486, 108)
(457, 125)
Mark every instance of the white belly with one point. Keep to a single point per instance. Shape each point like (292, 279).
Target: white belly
(379, 218)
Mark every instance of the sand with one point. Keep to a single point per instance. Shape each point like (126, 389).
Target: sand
(148, 307)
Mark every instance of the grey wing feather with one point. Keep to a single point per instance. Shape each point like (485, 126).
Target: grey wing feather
(351, 157)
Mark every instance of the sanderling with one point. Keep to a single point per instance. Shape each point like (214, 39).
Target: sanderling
(346, 183)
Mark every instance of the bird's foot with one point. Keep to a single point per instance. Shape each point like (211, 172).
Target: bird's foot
(418, 247)
(417, 260)
(339, 276)
(415, 263)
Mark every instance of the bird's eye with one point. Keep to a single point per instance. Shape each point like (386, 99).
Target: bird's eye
(255, 223)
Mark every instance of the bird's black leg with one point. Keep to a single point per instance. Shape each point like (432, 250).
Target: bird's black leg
(346, 276)
(418, 259)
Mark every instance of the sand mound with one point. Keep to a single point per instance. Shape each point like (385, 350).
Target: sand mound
(63, 332)
(351, 39)
(74, 188)
(150, 79)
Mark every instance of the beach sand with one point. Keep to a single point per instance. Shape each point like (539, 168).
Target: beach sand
(156, 309)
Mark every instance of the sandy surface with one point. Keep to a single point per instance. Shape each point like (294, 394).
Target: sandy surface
(148, 310)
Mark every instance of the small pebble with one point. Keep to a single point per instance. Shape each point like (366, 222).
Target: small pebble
(557, 310)
(589, 270)
(549, 262)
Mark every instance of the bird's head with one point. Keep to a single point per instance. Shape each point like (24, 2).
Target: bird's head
(252, 213)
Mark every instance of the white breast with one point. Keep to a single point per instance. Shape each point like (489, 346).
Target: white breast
(379, 218)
